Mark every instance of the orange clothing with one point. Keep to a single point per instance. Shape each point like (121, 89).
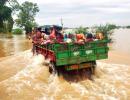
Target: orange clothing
(80, 37)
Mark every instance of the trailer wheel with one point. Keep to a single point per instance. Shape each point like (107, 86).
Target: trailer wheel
(88, 73)
(52, 68)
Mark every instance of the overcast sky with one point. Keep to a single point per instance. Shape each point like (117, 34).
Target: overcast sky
(82, 12)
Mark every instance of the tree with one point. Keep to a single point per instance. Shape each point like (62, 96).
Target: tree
(26, 16)
(6, 20)
(5, 14)
(14, 5)
(2, 2)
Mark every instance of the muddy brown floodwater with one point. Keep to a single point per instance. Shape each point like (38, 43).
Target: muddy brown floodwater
(13, 45)
(26, 77)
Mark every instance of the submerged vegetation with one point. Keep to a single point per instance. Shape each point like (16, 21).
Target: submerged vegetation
(17, 31)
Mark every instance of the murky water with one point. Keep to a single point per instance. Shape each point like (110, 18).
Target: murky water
(14, 45)
(122, 40)
(34, 82)
(26, 77)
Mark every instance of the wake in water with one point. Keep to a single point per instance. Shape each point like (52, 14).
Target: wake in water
(34, 82)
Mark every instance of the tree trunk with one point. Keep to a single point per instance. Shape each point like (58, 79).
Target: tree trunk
(1, 25)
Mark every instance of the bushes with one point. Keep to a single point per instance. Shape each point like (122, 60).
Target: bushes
(81, 30)
(107, 30)
(17, 31)
(128, 26)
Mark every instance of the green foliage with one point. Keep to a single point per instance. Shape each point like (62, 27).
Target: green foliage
(5, 16)
(2, 2)
(14, 5)
(17, 31)
(107, 29)
(127, 26)
(6, 20)
(81, 30)
(26, 16)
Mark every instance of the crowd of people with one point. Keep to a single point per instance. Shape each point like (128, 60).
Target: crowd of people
(54, 35)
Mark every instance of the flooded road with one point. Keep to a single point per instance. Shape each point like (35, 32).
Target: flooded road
(26, 77)
(32, 81)
(13, 45)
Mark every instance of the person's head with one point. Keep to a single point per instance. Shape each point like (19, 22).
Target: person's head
(38, 32)
(89, 35)
(99, 36)
(39, 29)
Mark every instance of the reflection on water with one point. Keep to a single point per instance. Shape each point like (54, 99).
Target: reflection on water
(34, 82)
(16, 44)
